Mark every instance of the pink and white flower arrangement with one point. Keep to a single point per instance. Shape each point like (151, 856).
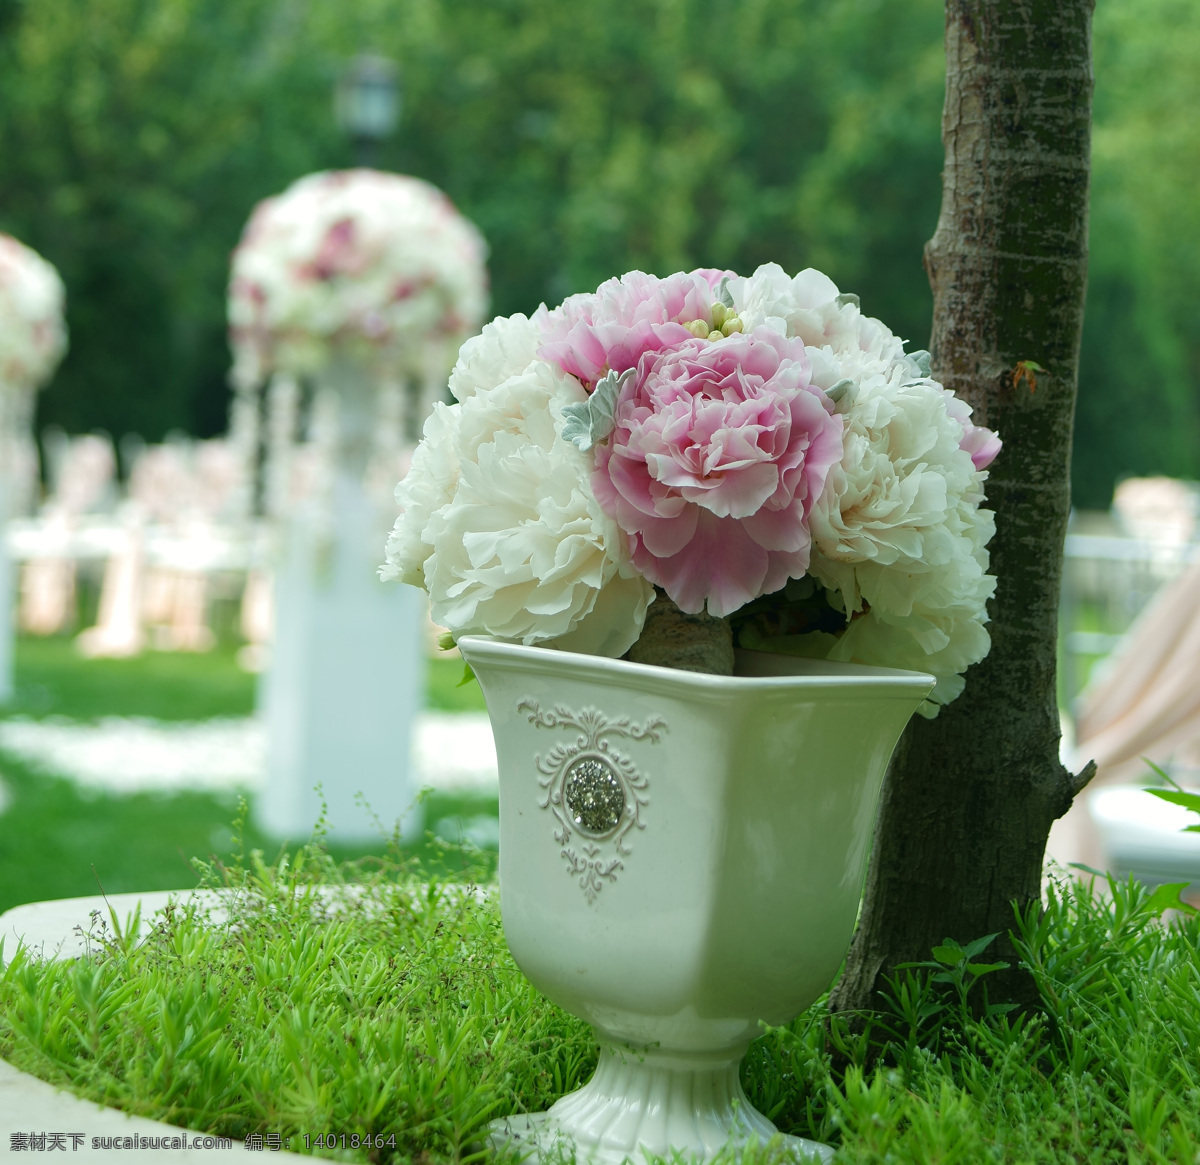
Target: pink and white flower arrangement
(755, 447)
(376, 267)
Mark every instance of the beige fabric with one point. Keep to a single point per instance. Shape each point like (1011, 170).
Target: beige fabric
(1148, 702)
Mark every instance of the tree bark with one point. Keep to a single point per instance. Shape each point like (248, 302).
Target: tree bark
(970, 796)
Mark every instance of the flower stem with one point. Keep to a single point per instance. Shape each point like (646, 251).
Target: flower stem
(673, 638)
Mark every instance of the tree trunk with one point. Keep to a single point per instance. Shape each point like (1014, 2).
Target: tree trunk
(970, 796)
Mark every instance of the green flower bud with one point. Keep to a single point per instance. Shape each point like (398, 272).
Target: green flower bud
(718, 314)
(715, 335)
(731, 325)
(698, 328)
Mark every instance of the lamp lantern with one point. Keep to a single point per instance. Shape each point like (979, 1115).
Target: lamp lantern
(367, 103)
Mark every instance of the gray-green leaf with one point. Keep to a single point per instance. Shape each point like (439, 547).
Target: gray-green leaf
(923, 361)
(587, 423)
(840, 389)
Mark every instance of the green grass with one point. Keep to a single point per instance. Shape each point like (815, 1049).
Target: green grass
(59, 840)
(397, 1011)
(52, 680)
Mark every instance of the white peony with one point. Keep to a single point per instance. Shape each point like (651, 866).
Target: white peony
(893, 499)
(810, 307)
(928, 619)
(498, 520)
(899, 539)
(505, 347)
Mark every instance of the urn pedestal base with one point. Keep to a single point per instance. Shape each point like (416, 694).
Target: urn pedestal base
(649, 1102)
(681, 861)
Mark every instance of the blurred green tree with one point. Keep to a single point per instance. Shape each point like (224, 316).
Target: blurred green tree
(134, 134)
(585, 139)
(1139, 397)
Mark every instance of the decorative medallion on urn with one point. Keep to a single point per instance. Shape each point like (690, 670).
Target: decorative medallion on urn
(594, 790)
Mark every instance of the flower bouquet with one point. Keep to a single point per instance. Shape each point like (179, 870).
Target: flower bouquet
(364, 284)
(377, 266)
(33, 337)
(667, 468)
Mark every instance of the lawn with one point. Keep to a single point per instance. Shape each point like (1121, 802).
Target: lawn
(52, 680)
(394, 1010)
(59, 840)
(395, 1013)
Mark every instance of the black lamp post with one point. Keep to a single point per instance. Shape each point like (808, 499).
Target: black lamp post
(367, 104)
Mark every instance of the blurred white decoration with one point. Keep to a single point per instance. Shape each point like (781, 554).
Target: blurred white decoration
(177, 530)
(83, 482)
(1157, 509)
(214, 488)
(118, 632)
(283, 412)
(1144, 835)
(1146, 703)
(349, 297)
(377, 268)
(33, 338)
(257, 621)
(160, 491)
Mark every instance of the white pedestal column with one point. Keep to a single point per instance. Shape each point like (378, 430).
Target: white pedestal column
(346, 679)
(347, 672)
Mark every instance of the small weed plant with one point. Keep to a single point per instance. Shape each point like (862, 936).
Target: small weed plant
(309, 999)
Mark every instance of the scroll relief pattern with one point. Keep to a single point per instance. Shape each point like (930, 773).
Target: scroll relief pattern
(592, 789)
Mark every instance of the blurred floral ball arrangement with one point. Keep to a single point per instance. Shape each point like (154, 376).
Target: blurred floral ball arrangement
(376, 267)
(755, 448)
(33, 339)
(33, 335)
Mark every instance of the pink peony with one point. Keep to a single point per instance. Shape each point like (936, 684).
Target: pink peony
(977, 440)
(981, 443)
(624, 318)
(719, 451)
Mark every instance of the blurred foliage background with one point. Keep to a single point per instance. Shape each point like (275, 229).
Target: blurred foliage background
(584, 138)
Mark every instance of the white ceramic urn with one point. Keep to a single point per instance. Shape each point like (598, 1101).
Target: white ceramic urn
(681, 860)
